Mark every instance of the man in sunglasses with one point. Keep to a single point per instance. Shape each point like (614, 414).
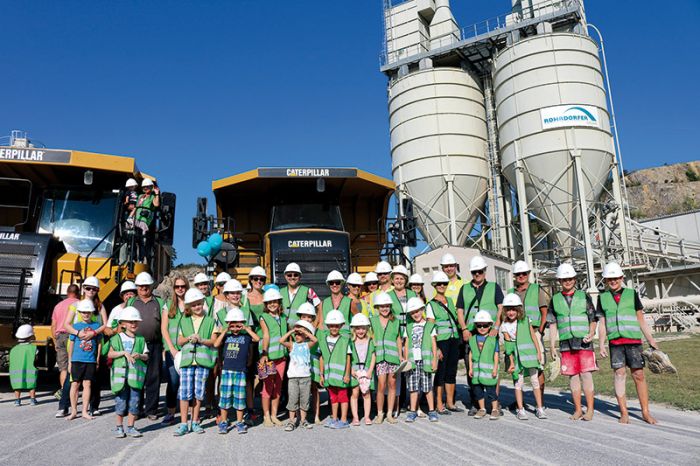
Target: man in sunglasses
(295, 294)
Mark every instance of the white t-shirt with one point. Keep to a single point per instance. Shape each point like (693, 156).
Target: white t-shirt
(332, 341)
(299, 361)
(128, 343)
(510, 328)
(417, 340)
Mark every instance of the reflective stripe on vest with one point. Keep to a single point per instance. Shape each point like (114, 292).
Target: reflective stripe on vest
(426, 345)
(23, 373)
(526, 349)
(482, 361)
(204, 355)
(344, 309)
(291, 306)
(123, 371)
(621, 318)
(486, 303)
(334, 362)
(531, 303)
(385, 340)
(572, 321)
(446, 326)
(275, 349)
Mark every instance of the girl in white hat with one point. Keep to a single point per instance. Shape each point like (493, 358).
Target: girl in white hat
(363, 361)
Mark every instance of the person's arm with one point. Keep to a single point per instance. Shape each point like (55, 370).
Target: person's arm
(463, 331)
(68, 323)
(434, 349)
(511, 366)
(320, 367)
(253, 336)
(348, 366)
(496, 359)
(537, 344)
(53, 330)
(543, 319)
(265, 340)
(645, 329)
(372, 363)
(312, 338)
(284, 340)
(497, 325)
(219, 340)
(602, 337)
(156, 196)
(99, 352)
(399, 345)
(103, 315)
(471, 368)
(164, 324)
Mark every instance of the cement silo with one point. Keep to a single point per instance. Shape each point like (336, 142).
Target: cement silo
(553, 128)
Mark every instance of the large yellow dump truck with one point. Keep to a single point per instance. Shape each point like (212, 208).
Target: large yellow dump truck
(62, 220)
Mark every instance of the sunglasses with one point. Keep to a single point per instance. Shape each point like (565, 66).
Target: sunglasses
(292, 275)
(334, 283)
(439, 284)
(180, 287)
(257, 279)
(521, 274)
(382, 273)
(90, 288)
(353, 285)
(478, 272)
(371, 283)
(483, 325)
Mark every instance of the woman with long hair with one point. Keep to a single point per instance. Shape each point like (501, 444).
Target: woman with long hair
(169, 322)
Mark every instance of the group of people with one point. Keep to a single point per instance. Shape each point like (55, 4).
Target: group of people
(380, 341)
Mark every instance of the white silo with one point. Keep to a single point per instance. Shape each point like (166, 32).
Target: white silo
(554, 129)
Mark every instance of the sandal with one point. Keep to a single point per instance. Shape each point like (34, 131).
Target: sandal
(289, 427)
(355, 422)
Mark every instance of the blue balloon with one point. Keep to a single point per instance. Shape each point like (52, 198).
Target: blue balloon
(204, 249)
(215, 241)
(271, 286)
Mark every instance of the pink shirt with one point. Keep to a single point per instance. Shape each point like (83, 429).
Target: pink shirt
(58, 317)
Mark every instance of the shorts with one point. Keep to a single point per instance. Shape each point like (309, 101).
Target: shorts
(232, 393)
(127, 401)
(272, 384)
(626, 356)
(83, 371)
(193, 380)
(299, 393)
(575, 362)
(384, 368)
(419, 380)
(338, 395)
(62, 351)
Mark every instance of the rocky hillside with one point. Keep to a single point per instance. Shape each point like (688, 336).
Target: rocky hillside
(665, 190)
(165, 287)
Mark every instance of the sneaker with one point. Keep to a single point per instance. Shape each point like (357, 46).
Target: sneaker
(379, 418)
(168, 419)
(241, 428)
(223, 427)
(96, 412)
(18, 403)
(433, 416)
(306, 425)
(444, 412)
(472, 411)
(330, 422)
(119, 432)
(540, 413)
(391, 420)
(151, 417)
(455, 409)
(196, 428)
(289, 427)
(132, 432)
(61, 413)
(480, 414)
(341, 425)
(420, 413)
(33, 402)
(181, 430)
(411, 416)
(495, 414)
(521, 415)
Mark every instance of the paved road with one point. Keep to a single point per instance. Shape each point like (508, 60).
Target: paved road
(31, 435)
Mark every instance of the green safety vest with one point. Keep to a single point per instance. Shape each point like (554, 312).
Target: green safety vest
(334, 361)
(486, 303)
(290, 306)
(134, 375)
(316, 355)
(173, 324)
(445, 319)
(531, 303)
(203, 355)
(275, 349)
(426, 346)
(357, 364)
(209, 306)
(396, 306)
(527, 351)
(510, 348)
(385, 340)
(144, 209)
(482, 361)
(257, 311)
(23, 373)
(572, 321)
(344, 308)
(621, 319)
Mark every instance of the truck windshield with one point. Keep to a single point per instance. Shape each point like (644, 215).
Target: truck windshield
(80, 219)
(293, 216)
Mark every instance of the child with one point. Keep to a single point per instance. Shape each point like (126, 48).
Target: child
(128, 352)
(363, 361)
(299, 372)
(335, 368)
(421, 350)
(523, 352)
(307, 312)
(196, 337)
(236, 353)
(274, 325)
(387, 344)
(483, 365)
(83, 357)
(23, 373)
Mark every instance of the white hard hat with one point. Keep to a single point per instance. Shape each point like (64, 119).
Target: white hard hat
(129, 313)
(292, 267)
(127, 286)
(477, 263)
(359, 320)
(382, 267)
(222, 277)
(401, 270)
(146, 182)
(333, 276)
(447, 259)
(257, 271)
(512, 300)
(414, 304)
(193, 295)
(483, 317)
(612, 270)
(200, 278)
(233, 286)
(355, 279)
(24, 331)
(371, 277)
(440, 277)
(520, 267)
(271, 295)
(307, 309)
(335, 317)
(306, 325)
(131, 183)
(92, 281)
(565, 271)
(85, 305)
(416, 279)
(235, 315)
(144, 279)
(382, 298)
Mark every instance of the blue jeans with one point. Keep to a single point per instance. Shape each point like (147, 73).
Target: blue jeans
(173, 379)
(127, 400)
(485, 391)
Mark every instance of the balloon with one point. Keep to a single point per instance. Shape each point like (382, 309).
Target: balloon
(215, 241)
(203, 249)
(271, 286)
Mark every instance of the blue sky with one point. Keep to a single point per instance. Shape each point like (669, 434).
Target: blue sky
(201, 90)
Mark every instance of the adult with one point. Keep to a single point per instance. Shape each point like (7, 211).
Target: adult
(294, 294)
(254, 298)
(219, 302)
(126, 292)
(144, 215)
(338, 301)
(59, 334)
(535, 303)
(416, 284)
(478, 295)
(151, 309)
(354, 284)
(371, 285)
(442, 310)
(449, 265)
(171, 315)
(201, 282)
(622, 320)
(399, 298)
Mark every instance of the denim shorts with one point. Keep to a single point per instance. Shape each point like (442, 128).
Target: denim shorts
(127, 400)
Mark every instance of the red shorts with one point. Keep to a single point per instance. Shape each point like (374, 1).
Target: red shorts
(338, 395)
(272, 385)
(575, 362)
